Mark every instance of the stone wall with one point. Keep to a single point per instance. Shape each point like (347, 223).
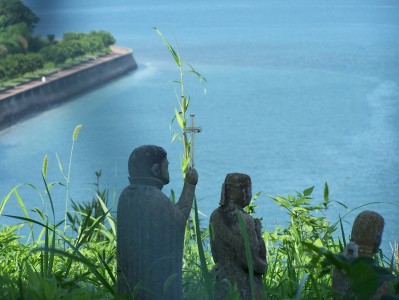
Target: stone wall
(13, 107)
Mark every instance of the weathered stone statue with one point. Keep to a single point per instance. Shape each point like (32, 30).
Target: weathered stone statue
(366, 239)
(227, 243)
(150, 232)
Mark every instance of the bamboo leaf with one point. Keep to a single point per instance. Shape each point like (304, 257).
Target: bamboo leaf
(176, 136)
(308, 191)
(326, 194)
(201, 78)
(172, 197)
(179, 119)
(185, 163)
(171, 50)
(318, 243)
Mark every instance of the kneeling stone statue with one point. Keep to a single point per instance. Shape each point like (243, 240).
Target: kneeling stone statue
(150, 228)
(227, 243)
(365, 241)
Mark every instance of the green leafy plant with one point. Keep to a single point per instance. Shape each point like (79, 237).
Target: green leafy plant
(181, 118)
(184, 101)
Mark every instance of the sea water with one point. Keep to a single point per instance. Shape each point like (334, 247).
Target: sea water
(297, 94)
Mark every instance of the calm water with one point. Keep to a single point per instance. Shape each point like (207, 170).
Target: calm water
(297, 95)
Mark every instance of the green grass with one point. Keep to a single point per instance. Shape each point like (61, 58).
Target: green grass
(80, 263)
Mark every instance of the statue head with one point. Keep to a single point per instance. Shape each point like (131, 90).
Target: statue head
(149, 161)
(236, 190)
(367, 232)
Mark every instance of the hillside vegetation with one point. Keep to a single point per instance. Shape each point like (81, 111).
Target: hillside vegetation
(23, 54)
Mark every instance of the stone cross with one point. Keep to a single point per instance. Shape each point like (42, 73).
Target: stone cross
(192, 130)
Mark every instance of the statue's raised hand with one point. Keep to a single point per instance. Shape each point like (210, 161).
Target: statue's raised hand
(191, 176)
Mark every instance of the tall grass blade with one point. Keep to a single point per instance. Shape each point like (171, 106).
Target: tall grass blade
(49, 195)
(27, 220)
(204, 267)
(110, 219)
(248, 253)
(23, 207)
(342, 231)
(84, 236)
(301, 286)
(7, 197)
(46, 268)
(87, 263)
(107, 268)
(74, 137)
(60, 167)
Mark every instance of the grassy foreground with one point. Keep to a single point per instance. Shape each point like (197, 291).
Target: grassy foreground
(75, 258)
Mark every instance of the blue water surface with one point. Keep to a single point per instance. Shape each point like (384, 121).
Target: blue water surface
(298, 94)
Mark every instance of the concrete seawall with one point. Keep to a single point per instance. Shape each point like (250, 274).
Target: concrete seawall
(25, 99)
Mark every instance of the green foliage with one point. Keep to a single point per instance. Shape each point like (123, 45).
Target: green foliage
(288, 264)
(366, 274)
(18, 48)
(74, 45)
(250, 209)
(15, 12)
(16, 25)
(81, 263)
(14, 39)
(79, 266)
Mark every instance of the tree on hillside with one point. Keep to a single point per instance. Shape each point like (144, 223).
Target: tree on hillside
(13, 12)
(16, 25)
(15, 39)
(105, 36)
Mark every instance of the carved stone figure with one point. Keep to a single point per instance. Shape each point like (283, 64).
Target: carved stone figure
(366, 239)
(227, 243)
(150, 228)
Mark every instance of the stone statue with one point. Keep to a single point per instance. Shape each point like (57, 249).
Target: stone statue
(227, 243)
(365, 241)
(150, 232)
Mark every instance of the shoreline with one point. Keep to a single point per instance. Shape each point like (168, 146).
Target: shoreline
(36, 95)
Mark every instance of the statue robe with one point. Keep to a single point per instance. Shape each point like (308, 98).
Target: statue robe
(228, 251)
(150, 240)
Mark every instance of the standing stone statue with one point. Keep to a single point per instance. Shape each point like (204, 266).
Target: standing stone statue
(227, 243)
(150, 232)
(365, 241)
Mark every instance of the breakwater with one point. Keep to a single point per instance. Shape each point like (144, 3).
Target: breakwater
(57, 87)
